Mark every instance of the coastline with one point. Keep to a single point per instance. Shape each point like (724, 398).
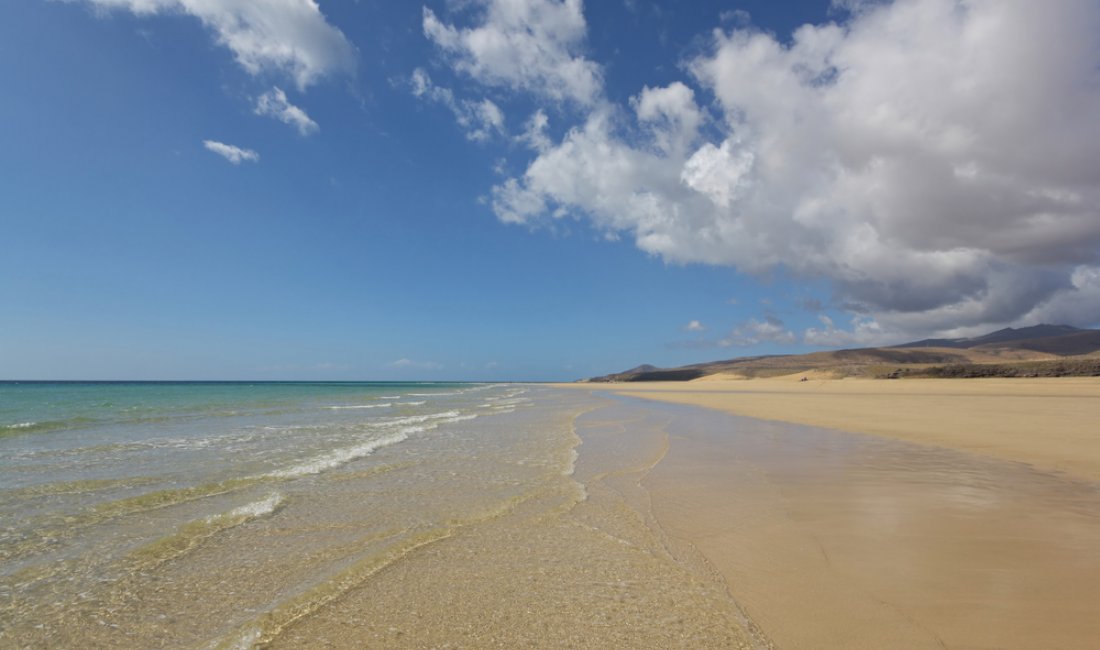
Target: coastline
(506, 516)
(540, 517)
(1048, 423)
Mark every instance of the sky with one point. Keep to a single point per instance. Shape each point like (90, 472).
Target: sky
(534, 189)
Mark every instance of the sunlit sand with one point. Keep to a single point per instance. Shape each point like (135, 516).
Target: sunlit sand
(969, 520)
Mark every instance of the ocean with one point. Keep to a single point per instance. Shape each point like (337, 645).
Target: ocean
(240, 515)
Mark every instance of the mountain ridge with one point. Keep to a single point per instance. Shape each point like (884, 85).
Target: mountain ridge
(1040, 350)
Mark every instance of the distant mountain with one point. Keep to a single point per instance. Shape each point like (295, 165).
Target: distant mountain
(1000, 336)
(1080, 342)
(646, 372)
(1042, 350)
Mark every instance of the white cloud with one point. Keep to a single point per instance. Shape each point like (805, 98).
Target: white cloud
(865, 332)
(670, 114)
(937, 160)
(287, 36)
(719, 173)
(529, 45)
(694, 326)
(754, 332)
(1079, 302)
(480, 119)
(274, 104)
(232, 153)
(534, 132)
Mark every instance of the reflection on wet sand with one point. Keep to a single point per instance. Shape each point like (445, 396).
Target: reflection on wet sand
(837, 540)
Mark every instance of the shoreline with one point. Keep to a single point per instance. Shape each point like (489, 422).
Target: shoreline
(834, 539)
(1048, 423)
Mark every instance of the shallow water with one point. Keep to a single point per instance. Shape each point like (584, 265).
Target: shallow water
(207, 516)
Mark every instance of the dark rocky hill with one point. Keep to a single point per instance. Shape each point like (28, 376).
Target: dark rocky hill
(1007, 335)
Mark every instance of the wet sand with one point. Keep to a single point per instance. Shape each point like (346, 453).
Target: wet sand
(1049, 423)
(831, 539)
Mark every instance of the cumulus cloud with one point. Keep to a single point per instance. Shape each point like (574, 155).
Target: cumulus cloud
(937, 160)
(479, 119)
(528, 45)
(754, 332)
(232, 153)
(534, 132)
(287, 36)
(864, 332)
(274, 104)
(694, 326)
(672, 116)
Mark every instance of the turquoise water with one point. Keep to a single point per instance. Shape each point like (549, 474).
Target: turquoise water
(186, 434)
(95, 477)
(240, 515)
(27, 407)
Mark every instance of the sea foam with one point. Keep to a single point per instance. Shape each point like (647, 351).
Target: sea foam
(252, 510)
(340, 456)
(362, 406)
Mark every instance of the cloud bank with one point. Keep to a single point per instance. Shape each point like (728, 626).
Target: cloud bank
(285, 36)
(938, 161)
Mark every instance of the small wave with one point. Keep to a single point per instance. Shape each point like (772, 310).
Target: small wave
(513, 401)
(61, 526)
(411, 403)
(362, 406)
(75, 487)
(252, 510)
(416, 419)
(165, 498)
(571, 466)
(342, 456)
(190, 535)
(184, 443)
(460, 418)
(48, 425)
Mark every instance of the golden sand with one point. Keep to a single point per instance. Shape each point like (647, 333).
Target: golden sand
(1052, 423)
(982, 535)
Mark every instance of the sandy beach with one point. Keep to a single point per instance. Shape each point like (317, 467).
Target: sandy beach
(968, 519)
(474, 516)
(1049, 423)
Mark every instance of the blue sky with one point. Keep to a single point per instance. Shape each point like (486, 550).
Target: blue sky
(533, 189)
